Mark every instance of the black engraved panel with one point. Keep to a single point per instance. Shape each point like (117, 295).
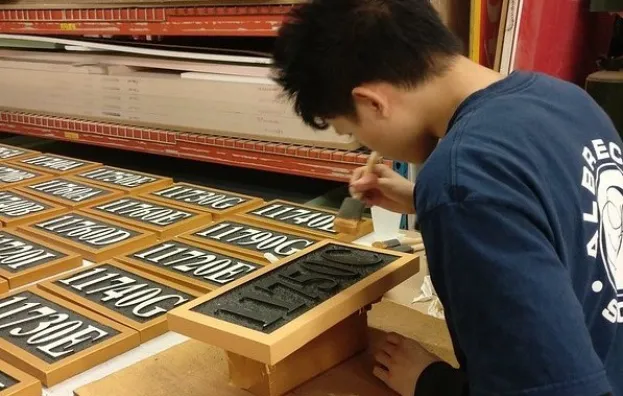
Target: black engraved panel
(255, 238)
(7, 152)
(18, 254)
(47, 330)
(15, 205)
(194, 262)
(300, 216)
(55, 163)
(117, 177)
(69, 190)
(86, 230)
(274, 299)
(6, 381)
(133, 296)
(204, 198)
(10, 175)
(144, 212)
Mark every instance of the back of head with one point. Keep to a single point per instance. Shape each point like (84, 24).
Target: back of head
(328, 47)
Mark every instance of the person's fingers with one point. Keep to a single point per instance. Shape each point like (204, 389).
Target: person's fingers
(389, 349)
(394, 338)
(383, 170)
(357, 173)
(366, 182)
(383, 358)
(381, 373)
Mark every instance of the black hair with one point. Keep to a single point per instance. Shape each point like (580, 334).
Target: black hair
(325, 48)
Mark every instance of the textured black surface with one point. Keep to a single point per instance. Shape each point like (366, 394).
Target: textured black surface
(6, 381)
(15, 205)
(118, 284)
(69, 190)
(18, 254)
(300, 216)
(194, 262)
(118, 177)
(56, 315)
(82, 235)
(145, 212)
(54, 163)
(276, 298)
(201, 197)
(10, 175)
(244, 238)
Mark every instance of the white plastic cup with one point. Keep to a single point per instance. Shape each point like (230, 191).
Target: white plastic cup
(386, 223)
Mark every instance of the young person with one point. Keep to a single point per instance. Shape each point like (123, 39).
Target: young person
(519, 199)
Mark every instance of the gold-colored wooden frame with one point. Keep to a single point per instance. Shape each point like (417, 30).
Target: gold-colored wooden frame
(21, 278)
(88, 165)
(178, 278)
(54, 210)
(113, 194)
(274, 347)
(147, 330)
(26, 385)
(53, 373)
(365, 225)
(37, 179)
(216, 214)
(26, 153)
(200, 219)
(188, 236)
(161, 181)
(95, 255)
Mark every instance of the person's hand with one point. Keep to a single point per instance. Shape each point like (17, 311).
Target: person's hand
(399, 363)
(383, 187)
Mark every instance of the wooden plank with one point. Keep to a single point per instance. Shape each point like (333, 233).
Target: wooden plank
(219, 203)
(94, 238)
(323, 285)
(128, 181)
(55, 164)
(14, 382)
(13, 176)
(24, 259)
(305, 219)
(124, 294)
(81, 339)
(8, 153)
(17, 209)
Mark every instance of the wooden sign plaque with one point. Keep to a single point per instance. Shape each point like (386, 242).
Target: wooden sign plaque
(217, 202)
(62, 340)
(24, 259)
(94, 238)
(128, 181)
(124, 294)
(8, 153)
(166, 221)
(55, 164)
(274, 311)
(190, 264)
(13, 176)
(250, 240)
(16, 209)
(14, 382)
(70, 193)
(309, 220)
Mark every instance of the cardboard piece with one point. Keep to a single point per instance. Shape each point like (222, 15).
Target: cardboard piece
(165, 220)
(13, 176)
(124, 294)
(8, 153)
(219, 203)
(305, 219)
(24, 259)
(16, 209)
(70, 193)
(14, 382)
(63, 338)
(274, 311)
(128, 181)
(94, 238)
(250, 240)
(55, 164)
(190, 264)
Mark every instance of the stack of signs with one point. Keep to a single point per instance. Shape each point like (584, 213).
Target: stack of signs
(95, 239)
(219, 203)
(164, 220)
(17, 209)
(13, 176)
(250, 240)
(63, 339)
(128, 181)
(55, 164)
(10, 153)
(190, 264)
(24, 260)
(316, 222)
(124, 294)
(70, 193)
(14, 382)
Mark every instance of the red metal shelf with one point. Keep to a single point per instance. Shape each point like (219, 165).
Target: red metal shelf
(242, 20)
(320, 163)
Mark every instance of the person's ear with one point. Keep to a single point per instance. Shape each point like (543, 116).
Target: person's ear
(370, 102)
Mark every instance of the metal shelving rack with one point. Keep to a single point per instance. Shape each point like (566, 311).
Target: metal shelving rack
(217, 20)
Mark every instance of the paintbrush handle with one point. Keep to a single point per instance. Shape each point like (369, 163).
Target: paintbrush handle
(373, 158)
